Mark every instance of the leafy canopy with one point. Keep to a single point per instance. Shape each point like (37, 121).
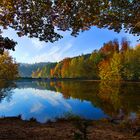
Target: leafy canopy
(42, 18)
(6, 43)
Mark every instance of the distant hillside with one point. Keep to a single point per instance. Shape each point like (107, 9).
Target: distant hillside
(44, 72)
(52, 70)
(41, 69)
(25, 70)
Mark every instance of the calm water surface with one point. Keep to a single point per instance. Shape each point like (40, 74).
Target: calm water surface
(51, 100)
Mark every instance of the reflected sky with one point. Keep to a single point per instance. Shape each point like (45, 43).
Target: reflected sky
(47, 105)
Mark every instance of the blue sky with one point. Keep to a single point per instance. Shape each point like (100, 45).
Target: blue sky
(32, 50)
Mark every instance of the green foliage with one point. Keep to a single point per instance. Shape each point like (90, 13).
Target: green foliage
(57, 70)
(65, 71)
(44, 72)
(8, 67)
(116, 66)
(111, 70)
(131, 65)
(104, 70)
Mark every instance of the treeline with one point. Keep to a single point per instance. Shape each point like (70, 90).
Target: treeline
(113, 61)
(44, 72)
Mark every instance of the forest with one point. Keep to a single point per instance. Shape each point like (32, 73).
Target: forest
(114, 61)
(25, 69)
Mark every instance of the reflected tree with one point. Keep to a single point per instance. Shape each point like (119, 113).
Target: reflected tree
(119, 98)
(6, 90)
(109, 93)
(113, 98)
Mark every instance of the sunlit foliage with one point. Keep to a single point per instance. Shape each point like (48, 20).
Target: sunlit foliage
(8, 67)
(131, 64)
(111, 69)
(44, 72)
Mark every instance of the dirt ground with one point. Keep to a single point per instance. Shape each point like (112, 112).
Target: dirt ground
(17, 129)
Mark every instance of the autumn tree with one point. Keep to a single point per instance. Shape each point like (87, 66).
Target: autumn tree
(110, 48)
(116, 67)
(95, 58)
(73, 67)
(65, 71)
(8, 67)
(80, 67)
(104, 70)
(57, 70)
(125, 45)
(37, 73)
(111, 69)
(52, 73)
(131, 64)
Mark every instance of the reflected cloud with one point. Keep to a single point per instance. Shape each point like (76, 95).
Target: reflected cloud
(53, 98)
(36, 107)
(7, 106)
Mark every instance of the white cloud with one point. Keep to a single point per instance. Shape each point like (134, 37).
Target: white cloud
(36, 107)
(53, 54)
(38, 44)
(7, 106)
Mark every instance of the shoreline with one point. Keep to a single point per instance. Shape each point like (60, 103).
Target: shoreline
(13, 128)
(69, 79)
(75, 79)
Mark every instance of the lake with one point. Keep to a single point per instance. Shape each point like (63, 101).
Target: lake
(50, 100)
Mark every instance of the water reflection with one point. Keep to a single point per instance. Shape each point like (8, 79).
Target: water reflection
(119, 99)
(6, 90)
(49, 100)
